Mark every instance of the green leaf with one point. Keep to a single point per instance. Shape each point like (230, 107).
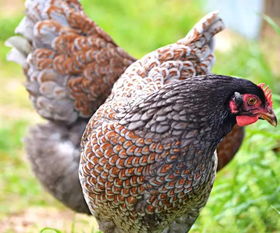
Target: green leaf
(50, 230)
(272, 23)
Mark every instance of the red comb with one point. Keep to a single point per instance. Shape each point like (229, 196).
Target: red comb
(267, 92)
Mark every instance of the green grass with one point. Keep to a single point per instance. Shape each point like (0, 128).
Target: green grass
(246, 194)
(143, 26)
(15, 177)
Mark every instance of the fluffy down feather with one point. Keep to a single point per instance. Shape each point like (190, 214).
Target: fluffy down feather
(53, 150)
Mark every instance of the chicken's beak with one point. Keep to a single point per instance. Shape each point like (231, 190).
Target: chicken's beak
(269, 116)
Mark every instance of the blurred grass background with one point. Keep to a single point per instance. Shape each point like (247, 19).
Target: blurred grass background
(246, 194)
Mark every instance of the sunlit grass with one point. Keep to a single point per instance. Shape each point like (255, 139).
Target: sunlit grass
(246, 59)
(246, 193)
(16, 178)
(142, 26)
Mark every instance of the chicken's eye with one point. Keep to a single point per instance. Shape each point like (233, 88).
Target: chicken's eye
(252, 101)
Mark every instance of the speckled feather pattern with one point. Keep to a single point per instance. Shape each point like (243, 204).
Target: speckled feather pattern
(141, 171)
(72, 63)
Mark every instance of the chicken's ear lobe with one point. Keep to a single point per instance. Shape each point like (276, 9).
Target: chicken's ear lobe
(238, 99)
(236, 102)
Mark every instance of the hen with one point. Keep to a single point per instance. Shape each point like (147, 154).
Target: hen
(71, 64)
(148, 158)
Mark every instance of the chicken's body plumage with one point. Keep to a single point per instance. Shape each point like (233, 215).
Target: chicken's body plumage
(71, 65)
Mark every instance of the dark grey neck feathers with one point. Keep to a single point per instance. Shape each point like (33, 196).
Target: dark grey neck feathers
(194, 108)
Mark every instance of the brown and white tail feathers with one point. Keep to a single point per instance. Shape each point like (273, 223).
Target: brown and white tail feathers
(70, 63)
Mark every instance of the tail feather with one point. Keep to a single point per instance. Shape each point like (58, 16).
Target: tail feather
(25, 28)
(19, 43)
(17, 57)
(52, 31)
(20, 49)
(205, 30)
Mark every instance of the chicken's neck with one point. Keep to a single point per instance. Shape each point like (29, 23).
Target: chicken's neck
(183, 119)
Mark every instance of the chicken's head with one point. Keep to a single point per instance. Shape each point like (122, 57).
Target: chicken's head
(249, 107)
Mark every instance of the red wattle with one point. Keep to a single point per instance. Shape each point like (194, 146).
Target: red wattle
(246, 120)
